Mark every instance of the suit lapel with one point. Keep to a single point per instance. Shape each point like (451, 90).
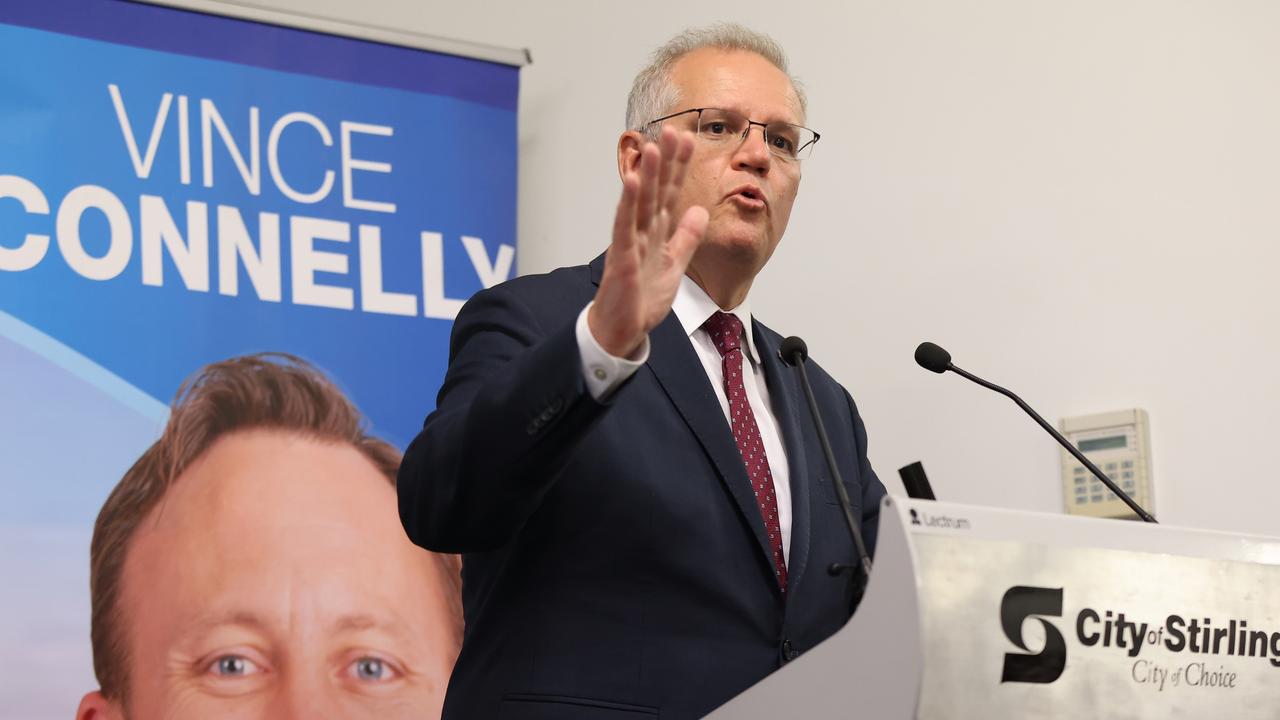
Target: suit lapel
(678, 370)
(786, 396)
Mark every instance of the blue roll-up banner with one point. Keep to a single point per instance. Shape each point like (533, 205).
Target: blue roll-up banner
(179, 188)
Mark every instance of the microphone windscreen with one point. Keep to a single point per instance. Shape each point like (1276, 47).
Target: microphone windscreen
(791, 347)
(932, 357)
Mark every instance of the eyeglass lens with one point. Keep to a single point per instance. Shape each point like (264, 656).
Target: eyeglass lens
(784, 140)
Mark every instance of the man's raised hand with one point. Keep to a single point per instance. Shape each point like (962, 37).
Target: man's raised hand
(650, 249)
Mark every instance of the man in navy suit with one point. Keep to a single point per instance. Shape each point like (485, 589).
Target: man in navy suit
(645, 513)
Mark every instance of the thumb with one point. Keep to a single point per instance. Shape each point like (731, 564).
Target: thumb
(688, 236)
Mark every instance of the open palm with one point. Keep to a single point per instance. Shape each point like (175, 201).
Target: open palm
(650, 249)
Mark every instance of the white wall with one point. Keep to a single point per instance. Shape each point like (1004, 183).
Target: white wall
(1080, 200)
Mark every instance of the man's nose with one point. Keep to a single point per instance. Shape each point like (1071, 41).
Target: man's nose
(753, 154)
(302, 698)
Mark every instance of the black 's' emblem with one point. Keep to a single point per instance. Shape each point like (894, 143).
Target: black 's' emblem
(1020, 603)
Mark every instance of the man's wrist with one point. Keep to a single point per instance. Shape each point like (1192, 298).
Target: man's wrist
(602, 371)
(606, 342)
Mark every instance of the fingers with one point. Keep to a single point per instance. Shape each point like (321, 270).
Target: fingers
(669, 143)
(687, 237)
(647, 200)
(677, 165)
(625, 219)
(650, 194)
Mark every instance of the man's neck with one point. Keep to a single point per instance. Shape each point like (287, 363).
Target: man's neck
(728, 290)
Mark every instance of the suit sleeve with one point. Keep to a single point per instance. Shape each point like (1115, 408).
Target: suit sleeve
(872, 490)
(511, 411)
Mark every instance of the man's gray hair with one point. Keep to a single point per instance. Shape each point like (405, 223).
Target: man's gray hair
(654, 95)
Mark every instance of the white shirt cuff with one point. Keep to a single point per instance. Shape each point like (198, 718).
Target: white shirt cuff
(603, 372)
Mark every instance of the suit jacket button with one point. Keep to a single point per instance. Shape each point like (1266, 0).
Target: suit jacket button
(557, 404)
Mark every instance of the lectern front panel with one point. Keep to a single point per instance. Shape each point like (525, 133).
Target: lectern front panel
(1040, 631)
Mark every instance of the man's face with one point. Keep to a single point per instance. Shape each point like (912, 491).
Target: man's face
(274, 581)
(739, 232)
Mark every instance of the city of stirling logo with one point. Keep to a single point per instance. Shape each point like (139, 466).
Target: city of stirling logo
(1022, 602)
(1195, 635)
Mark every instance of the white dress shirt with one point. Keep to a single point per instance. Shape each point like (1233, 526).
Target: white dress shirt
(603, 373)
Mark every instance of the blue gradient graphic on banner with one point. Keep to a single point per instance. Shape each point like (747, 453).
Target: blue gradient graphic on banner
(381, 172)
(51, 393)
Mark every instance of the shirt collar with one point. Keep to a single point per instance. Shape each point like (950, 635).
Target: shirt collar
(693, 306)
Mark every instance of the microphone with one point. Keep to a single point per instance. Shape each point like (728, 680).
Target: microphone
(935, 359)
(794, 352)
(931, 357)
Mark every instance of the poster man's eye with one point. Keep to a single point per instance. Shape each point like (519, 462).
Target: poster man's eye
(233, 666)
(373, 669)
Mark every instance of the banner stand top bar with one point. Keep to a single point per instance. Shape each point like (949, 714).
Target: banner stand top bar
(515, 57)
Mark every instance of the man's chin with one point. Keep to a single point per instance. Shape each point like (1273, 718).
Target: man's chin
(747, 244)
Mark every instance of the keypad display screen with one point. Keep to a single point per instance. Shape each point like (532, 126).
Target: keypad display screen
(1106, 443)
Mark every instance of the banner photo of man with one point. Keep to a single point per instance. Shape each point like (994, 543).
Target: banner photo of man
(250, 563)
(180, 192)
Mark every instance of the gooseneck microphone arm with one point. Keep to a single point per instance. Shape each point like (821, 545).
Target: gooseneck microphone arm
(934, 358)
(794, 352)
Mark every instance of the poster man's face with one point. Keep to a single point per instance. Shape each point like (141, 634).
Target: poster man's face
(274, 581)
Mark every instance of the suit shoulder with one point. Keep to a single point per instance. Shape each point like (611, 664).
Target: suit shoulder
(817, 374)
(556, 281)
(561, 290)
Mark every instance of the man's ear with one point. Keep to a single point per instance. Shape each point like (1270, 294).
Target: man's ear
(94, 706)
(630, 147)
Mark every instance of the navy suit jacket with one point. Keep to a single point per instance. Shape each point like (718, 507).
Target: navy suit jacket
(615, 562)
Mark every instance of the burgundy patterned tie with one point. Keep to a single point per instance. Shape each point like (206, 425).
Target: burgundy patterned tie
(726, 332)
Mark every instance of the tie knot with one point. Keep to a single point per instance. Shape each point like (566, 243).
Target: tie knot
(725, 330)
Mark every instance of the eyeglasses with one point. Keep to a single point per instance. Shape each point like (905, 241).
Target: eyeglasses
(720, 127)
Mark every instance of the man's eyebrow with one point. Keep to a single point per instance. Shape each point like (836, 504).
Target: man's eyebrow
(364, 621)
(196, 632)
(243, 618)
(788, 117)
(353, 622)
